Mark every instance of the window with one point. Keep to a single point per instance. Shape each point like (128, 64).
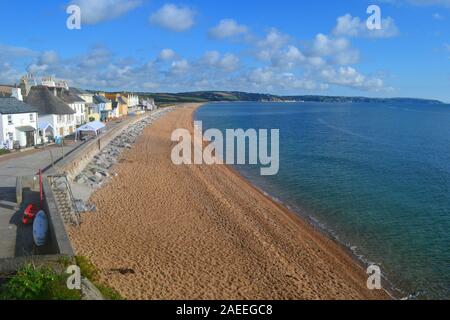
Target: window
(10, 121)
(31, 117)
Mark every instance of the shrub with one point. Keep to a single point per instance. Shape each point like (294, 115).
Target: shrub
(88, 270)
(108, 293)
(43, 283)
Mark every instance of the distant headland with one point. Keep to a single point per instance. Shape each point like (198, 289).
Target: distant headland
(211, 96)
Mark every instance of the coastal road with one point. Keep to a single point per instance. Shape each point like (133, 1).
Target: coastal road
(16, 238)
(27, 165)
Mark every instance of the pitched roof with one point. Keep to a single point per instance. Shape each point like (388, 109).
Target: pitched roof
(41, 98)
(121, 100)
(100, 99)
(78, 91)
(69, 97)
(13, 106)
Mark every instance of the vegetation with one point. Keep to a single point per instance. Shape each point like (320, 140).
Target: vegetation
(211, 96)
(4, 151)
(88, 270)
(107, 292)
(44, 283)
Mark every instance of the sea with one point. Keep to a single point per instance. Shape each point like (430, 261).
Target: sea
(373, 176)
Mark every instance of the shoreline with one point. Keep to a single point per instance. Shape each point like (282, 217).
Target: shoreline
(207, 235)
(303, 220)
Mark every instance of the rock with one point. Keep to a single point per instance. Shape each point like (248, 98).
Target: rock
(83, 207)
(99, 175)
(89, 291)
(80, 179)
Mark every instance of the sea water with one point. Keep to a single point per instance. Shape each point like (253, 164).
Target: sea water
(374, 176)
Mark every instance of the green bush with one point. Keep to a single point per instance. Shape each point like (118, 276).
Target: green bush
(43, 283)
(88, 270)
(3, 151)
(107, 292)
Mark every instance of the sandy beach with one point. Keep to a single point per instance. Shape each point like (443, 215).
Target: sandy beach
(203, 232)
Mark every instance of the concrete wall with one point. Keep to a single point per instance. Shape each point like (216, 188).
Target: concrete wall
(59, 240)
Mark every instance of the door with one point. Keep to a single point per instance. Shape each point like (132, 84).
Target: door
(30, 139)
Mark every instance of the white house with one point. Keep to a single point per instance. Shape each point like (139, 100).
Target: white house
(54, 113)
(149, 104)
(76, 103)
(133, 100)
(18, 123)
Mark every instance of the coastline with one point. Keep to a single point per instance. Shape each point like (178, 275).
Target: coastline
(205, 232)
(304, 222)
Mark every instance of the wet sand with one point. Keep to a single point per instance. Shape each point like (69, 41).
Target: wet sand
(203, 232)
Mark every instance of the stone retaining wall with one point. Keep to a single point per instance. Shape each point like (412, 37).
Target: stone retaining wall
(76, 162)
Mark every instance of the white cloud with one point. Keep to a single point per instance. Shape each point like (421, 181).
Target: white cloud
(96, 11)
(48, 57)
(8, 74)
(211, 58)
(228, 28)
(173, 17)
(266, 79)
(274, 63)
(15, 52)
(288, 59)
(349, 26)
(228, 62)
(349, 77)
(438, 16)
(180, 67)
(338, 50)
(97, 56)
(167, 54)
(274, 39)
(272, 42)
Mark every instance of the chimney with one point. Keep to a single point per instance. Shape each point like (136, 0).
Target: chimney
(17, 93)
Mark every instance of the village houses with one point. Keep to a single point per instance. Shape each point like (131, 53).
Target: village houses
(32, 114)
(54, 114)
(18, 122)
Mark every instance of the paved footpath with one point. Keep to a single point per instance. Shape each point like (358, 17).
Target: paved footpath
(15, 238)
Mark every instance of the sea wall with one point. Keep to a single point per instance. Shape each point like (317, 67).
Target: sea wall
(77, 161)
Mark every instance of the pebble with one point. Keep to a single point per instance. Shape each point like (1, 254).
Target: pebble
(96, 172)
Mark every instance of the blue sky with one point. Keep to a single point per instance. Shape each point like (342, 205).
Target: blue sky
(281, 47)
